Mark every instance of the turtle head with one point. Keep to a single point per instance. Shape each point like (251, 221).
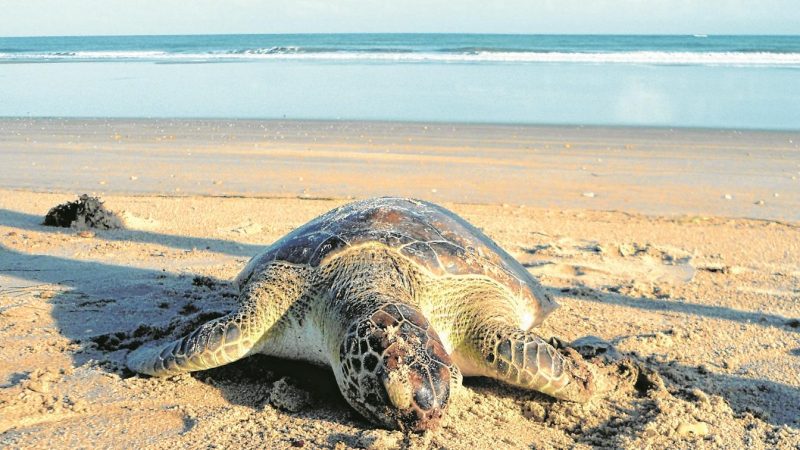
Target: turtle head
(394, 369)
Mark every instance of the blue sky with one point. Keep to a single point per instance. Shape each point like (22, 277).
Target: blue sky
(106, 17)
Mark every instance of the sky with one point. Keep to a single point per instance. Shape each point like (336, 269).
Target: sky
(131, 17)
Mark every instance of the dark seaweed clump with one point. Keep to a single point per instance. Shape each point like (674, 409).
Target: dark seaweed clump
(86, 212)
(204, 281)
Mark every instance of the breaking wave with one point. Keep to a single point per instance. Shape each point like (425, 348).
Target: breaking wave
(462, 55)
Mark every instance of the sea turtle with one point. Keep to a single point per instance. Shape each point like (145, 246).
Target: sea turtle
(399, 297)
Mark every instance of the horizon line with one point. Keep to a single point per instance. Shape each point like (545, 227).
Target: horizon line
(403, 33)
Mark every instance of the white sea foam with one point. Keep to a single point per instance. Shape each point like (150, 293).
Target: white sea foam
(292, 53)
(86, 56)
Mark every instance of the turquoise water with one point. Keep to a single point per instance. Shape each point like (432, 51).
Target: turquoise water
(695, 81)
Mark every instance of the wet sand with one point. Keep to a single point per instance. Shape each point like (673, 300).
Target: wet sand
(702, 300)
(646, 170)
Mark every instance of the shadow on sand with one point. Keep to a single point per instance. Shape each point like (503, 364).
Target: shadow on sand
(109, 309)
(34, 223)
(585, 293)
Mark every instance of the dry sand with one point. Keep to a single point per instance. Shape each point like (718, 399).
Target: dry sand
(708, 305)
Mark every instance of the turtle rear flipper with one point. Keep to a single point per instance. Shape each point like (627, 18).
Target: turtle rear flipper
(213, 344)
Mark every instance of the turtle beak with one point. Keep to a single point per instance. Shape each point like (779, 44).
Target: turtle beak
(419, 396)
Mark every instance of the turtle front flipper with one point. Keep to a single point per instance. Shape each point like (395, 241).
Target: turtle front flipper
(523, 359)
(213, 344)
(264, 301)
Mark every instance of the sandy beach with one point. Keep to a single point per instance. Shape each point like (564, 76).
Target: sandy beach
(681, 247)
(648, 170)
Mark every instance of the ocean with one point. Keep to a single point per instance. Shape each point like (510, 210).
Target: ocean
(750, 82)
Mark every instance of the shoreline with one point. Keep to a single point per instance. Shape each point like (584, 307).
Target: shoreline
(323, 121)
(661, 171)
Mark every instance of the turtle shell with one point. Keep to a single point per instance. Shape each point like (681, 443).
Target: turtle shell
(428, 234)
